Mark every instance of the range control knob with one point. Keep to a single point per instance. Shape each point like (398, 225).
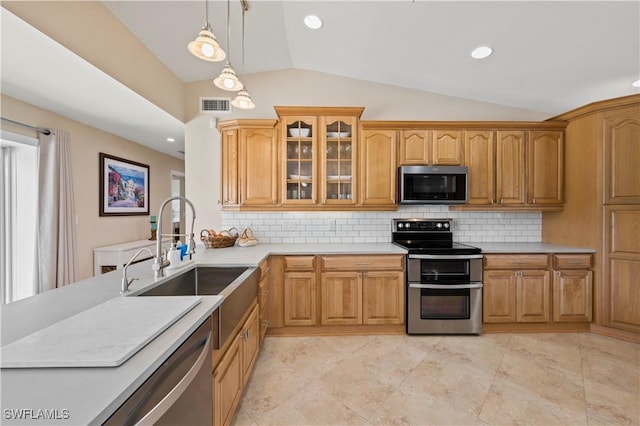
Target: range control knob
(446, 225)
(438, 225)
(407, 225)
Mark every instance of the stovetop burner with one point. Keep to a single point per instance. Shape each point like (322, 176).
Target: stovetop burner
(428, 236)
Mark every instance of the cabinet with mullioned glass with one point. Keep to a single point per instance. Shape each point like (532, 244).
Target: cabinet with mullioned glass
(300, 136)
(338, 160)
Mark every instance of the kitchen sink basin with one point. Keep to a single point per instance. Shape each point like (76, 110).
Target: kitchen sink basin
(238, 286)
(200, 281)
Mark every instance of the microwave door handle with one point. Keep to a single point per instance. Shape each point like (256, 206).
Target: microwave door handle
(447, 287)
(445, 256)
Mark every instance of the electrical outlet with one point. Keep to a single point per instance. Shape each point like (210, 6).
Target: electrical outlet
(331, 225)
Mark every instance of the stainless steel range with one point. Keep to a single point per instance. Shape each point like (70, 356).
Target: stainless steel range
(444, 278)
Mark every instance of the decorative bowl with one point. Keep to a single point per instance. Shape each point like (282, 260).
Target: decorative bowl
(338, 134)
(299, 133)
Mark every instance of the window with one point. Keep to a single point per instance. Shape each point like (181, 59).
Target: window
(18, 212)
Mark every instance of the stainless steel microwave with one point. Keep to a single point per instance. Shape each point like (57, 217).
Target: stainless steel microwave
(432, 184)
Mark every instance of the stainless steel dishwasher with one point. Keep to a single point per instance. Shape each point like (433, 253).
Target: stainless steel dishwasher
(180, 391)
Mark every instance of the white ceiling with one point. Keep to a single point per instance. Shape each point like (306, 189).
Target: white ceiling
(549, 56)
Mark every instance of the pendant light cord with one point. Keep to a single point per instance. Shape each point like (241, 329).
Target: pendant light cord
(228, 31)
(206, 13)
(243, 10)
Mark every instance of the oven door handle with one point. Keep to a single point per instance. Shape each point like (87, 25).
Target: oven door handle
(445, 256)
(446, 287)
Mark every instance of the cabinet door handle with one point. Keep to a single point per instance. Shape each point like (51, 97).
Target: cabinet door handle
(363, 263)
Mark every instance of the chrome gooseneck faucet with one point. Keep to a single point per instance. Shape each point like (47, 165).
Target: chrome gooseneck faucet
(160, 263)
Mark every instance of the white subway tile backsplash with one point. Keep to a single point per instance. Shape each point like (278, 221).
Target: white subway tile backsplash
(370, 227)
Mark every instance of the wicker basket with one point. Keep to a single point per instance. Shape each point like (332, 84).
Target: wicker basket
(217, 241)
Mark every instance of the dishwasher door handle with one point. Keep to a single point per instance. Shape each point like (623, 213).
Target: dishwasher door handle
(165, 404)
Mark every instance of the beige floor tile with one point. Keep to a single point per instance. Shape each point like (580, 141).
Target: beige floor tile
(493, 379)
(612, 405)
(312, 406)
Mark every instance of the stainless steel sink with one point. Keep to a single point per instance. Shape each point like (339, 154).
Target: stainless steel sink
(238, 286)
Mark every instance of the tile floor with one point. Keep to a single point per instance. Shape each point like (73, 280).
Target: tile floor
(493, 379)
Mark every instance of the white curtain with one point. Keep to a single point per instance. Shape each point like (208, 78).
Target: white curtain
(56, 237)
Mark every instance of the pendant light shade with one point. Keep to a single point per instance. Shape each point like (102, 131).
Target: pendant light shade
(228, 79)
(206, 47)
(243, 100)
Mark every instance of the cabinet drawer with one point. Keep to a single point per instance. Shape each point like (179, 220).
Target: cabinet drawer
(362, 263)
(572, 261)
(521, 261)
(299, 263)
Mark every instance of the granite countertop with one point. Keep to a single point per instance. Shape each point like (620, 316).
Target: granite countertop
(91, 395)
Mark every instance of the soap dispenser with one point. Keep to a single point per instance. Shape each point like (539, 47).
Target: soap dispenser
(173, 256)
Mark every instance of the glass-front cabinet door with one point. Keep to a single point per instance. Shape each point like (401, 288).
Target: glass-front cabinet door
(338, 160)
(300, 154)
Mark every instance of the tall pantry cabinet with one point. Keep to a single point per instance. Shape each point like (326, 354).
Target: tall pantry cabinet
(602, 207)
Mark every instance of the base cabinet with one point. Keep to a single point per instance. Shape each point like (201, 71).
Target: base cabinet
(537, 289)
(299, 290)
(516, 296)
(362, 290)
(265, 297)
(234, 368)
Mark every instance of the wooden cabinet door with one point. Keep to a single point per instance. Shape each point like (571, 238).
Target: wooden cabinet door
(622, 267)
(383, 294)
(250, 343)
(532, 296)
(479, 157)
(229, 178)
(499, 296)
(338, 160)
(622, 156)
(414, 147)
(510, 167)
(378, 172)
(299, 298)
(300, 153)
(258, 167)
(341, 294)
(572, 300)
(545, 162)
(447, 147)
(228, 381)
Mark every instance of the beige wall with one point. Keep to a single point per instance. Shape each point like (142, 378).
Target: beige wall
(301, 87)
(86, 143)
(90, 30)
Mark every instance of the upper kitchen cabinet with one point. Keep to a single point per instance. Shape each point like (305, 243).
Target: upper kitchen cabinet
(249, 163)
(320, 146)
(517, 168)
(432, 147)
(339, 154)
(545, 167)
(300, 160)
(378, 168)
(622, 156)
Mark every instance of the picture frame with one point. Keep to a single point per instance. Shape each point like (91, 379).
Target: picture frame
(124, 187)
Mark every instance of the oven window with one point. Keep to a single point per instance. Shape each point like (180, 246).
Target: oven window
(445, 304)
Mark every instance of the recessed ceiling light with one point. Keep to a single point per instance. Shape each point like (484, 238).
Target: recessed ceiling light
(171, 140)
(313, 21)
(636, 83)
(481, 52)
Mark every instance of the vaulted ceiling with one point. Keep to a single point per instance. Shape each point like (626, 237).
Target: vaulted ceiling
(549, 56)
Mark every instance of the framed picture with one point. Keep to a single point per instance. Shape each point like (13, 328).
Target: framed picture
(124, 187)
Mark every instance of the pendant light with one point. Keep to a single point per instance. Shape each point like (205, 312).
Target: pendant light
(242, 99)
(205, 46)
(228, 79)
